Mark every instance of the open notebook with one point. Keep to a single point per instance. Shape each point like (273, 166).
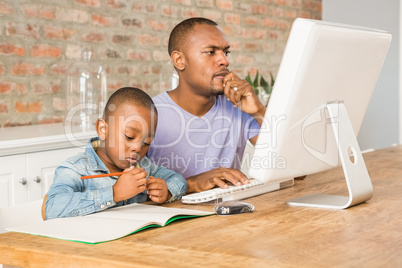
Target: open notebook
(110, 224)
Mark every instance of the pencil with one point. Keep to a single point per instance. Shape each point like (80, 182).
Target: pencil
(101, 175)
(106, 175)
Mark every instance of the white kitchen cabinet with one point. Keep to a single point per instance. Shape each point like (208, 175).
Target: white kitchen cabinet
(27, 177)
(40, 170)
(12, 191)
(29, 157)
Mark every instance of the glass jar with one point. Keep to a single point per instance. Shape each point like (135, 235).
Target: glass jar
(86, 93)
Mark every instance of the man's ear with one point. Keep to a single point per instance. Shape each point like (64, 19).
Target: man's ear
(101, 128)
(178, 60)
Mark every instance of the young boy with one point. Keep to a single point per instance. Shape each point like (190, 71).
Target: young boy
(125, 133)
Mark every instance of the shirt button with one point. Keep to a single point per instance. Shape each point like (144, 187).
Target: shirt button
(108, 204)
(102, 206)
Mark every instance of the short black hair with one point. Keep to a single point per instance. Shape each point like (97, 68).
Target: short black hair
(180, 31)
(130, 95)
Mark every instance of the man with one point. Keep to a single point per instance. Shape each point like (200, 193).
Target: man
(204, 123)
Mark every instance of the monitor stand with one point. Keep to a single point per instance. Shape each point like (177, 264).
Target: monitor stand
(356, 175)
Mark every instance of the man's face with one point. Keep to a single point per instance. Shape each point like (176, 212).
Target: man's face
(205, 52)
(130, 131)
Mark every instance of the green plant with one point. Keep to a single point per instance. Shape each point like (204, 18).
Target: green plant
(260, 82)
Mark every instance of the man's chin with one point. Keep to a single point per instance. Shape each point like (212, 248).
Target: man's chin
(217, 92)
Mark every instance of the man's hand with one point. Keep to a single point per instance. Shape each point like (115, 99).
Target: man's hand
(242, 95)
(158, 190)
(216, 177)
(131, 183)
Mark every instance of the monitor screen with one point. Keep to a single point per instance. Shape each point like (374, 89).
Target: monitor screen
(322, 63)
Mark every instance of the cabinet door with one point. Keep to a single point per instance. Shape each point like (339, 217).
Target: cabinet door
(41, 167)
(13, 180)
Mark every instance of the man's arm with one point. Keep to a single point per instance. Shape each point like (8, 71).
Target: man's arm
(241, 94)
(259, 117)
(246, 100)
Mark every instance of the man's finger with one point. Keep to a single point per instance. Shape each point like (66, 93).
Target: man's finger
(219, 182)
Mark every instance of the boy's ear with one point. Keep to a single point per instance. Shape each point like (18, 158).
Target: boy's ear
(101, 128)
(178, 60)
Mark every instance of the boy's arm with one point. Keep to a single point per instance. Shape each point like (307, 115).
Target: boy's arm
(176, 183)
(68, 196)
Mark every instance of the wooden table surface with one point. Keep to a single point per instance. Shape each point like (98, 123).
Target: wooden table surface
(275, 234)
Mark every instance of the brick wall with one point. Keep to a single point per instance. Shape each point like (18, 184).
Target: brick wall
(39, 39)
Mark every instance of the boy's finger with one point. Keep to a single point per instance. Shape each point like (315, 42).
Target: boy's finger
(155, 186)
(141, 182)
(155, 192)
(151, 181)
(142, 188)
(128, 169)
(156, 199)
(139, 175)
(137, 170)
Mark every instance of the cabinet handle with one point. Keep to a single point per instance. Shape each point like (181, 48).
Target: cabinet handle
(23, 181)
(36, 179)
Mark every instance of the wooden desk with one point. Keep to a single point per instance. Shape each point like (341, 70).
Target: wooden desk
(275, 234)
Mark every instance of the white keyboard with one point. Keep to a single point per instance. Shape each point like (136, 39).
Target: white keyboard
(254, 188)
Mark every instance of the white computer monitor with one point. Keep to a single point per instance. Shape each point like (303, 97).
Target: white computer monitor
(325, 80)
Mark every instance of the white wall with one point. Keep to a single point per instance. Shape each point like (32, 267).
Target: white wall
(381, 127)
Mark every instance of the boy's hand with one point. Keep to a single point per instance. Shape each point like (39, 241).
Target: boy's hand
(131, 183)
(158, 190)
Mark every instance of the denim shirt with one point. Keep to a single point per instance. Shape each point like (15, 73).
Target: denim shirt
(69, 195)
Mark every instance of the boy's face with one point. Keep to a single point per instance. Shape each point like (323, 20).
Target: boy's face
(128, 133)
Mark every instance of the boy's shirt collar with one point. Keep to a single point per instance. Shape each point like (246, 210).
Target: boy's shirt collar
(94, 160)
(95, 142)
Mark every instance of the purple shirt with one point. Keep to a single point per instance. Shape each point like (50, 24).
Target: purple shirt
(191, 145)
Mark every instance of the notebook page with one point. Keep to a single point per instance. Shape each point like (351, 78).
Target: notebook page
(106, 225)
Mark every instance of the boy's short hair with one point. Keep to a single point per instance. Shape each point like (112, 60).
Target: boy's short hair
(128, 95)
(178, 35)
